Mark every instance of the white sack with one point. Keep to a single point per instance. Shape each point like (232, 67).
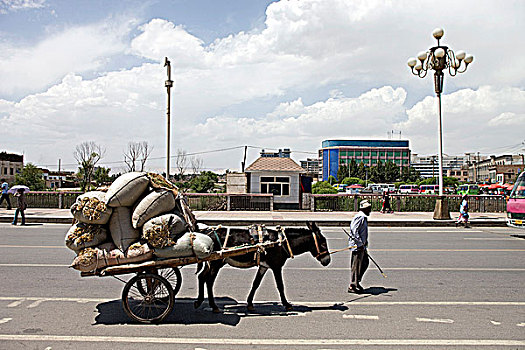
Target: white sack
(191, 244)
(156, 203)
(105, 255)
(126, 189)
(81, 236)
(121, 230)
(163, 230)
(91, 208)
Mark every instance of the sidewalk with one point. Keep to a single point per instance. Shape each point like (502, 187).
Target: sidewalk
(283, 218)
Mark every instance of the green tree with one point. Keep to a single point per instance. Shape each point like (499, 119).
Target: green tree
(205, 182)
(342, 172)
(101, 176)
(332, 180)
(391, 172)
(409, 174)
(362, 171)
(377, 173)
(31, 177)
(323, 187)
(87, 155)
(353, 168)
(351, 180)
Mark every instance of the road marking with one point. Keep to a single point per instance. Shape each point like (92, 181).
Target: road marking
(298, 302)
(35, 304)
(15, 303)
(521, 324)
(488, 269)
(33, 265)
(5, 320)
(266, 342)
(362, 317)
(434, 320)
(32, 246)
(491, 239)
(495, 323)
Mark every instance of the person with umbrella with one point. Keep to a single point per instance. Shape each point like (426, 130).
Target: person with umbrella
(463, 212)
(21, 204)
(5, 194)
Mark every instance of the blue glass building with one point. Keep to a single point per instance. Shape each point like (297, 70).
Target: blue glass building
(368, 152)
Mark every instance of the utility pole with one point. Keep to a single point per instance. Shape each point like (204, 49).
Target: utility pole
(59, 176)
(168, 84)
(244, 159)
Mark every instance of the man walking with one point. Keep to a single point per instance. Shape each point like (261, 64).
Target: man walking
(5, 195)
(359, 238)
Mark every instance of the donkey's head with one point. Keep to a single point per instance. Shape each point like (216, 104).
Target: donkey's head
(320, 247)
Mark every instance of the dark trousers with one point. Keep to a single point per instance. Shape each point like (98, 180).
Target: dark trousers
(5, 196)
(21, 211)
(359, 261)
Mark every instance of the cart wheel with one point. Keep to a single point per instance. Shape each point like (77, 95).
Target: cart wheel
(174, 277)
(151, 302)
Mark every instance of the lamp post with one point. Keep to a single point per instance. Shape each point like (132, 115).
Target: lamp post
(440, 58)
(168, 84)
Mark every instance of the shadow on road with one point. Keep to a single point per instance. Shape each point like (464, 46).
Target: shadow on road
(368, 292)
(111, 313)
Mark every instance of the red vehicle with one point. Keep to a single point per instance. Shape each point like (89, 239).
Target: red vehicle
(516, 204)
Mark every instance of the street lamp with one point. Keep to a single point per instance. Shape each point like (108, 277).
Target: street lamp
(168, 84)
(440, 58)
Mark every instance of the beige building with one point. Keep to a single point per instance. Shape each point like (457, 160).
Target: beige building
(10, 165)
(496, 169)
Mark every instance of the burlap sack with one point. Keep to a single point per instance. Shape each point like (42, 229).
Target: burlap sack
(156, 203)
(121, 230)
(81, 236)
(91, 259)
(163, 230)
(126, 189)
(91, 208)
(191, 244)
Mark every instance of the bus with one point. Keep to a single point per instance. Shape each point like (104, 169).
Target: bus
(409, 189)
(516, 204)
(468, 189)
(429, 189)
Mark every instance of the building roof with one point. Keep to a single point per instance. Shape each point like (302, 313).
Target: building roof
(365, 143)
(275, 164)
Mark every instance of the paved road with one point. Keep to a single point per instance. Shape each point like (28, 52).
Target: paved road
(454, 288)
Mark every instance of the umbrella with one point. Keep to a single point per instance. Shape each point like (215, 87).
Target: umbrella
(356, 186)
(509, 186)
(16, 187)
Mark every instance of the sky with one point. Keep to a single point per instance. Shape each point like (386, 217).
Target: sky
(263, 74)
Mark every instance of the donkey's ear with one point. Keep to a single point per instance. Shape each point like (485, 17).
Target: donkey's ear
(310, 225)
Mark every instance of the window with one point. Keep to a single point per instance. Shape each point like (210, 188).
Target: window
(374, 161)
(344, 153)
(390, 154)
(12, 172)
(278, 186)
(374, 153)
(366, 154)
(358, 153)
(381, 154)
(405, 154)
(398, 154)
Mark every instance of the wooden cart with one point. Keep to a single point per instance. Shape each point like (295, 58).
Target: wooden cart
(149, 296)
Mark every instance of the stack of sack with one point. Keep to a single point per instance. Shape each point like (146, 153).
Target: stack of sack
(140, 217)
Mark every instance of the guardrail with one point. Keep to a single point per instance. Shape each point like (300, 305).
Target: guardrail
(312, 202)
(405, 202)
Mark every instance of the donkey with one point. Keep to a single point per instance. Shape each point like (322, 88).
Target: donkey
(300, 240)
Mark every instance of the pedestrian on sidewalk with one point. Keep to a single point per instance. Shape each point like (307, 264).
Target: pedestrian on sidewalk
(21, 205)
(5, 194)
(463, 212)
(359, 238)
(386, 203)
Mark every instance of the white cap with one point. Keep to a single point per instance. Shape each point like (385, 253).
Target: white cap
(364, 204)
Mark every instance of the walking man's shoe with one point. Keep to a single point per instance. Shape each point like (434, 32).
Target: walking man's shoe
(353, 289)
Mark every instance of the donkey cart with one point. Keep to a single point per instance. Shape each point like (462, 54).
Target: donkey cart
(149, 296)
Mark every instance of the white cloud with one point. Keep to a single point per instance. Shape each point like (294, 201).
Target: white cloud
(486, 118)
(76, 49)
(18, 5)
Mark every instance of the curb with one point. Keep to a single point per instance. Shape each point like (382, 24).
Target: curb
(322, 223)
